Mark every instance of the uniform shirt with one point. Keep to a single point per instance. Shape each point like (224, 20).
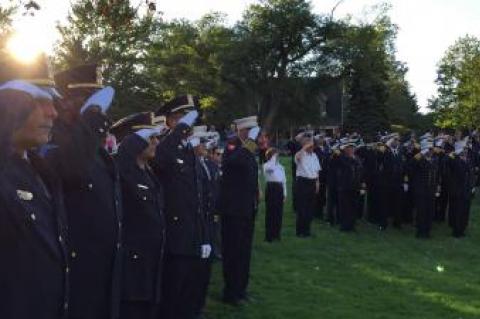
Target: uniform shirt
(275, 173)
(308, 165)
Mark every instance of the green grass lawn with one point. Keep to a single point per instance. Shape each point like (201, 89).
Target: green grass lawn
(367, 274)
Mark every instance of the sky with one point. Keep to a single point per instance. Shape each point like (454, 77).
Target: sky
(426, 27)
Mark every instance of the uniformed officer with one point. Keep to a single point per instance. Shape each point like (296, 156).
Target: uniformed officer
(349, 186)
(331, 173)
(396, 184)
(239, 203)
(461, 184)
(424, 181)
(180, 172)
(441, 158)
(143, 218)
(92, 193)
(199, 142)
(275, 195)
(33, 230)
(214, 163)
(379, 189)
(307, 186)
(322, 151)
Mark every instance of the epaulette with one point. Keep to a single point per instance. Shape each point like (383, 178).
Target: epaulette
(250, 145)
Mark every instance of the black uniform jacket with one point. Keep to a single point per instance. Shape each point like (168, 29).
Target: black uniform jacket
(349, 174)
(239, 190)
(93, 202)
(180, 173)
(33, 271)
(143, 225)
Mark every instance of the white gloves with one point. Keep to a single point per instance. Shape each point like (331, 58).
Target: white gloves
(474, 190)
(146, 133)
(363, 192)
(103, 99)
(405, 187)
(189, 118)
(194, 141)
(253, 133)
(205, 251)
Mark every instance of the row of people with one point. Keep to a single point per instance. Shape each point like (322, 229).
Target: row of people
(393, 180)
(89, 235)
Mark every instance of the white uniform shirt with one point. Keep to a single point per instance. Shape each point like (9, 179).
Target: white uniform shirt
(308, 165)
(275, 173)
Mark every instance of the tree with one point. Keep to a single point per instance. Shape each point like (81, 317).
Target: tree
(272, 41)
(458, 102)
(114, 34)
(185, 57)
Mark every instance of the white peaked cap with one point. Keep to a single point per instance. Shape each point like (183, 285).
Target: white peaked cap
(246, 122)
(102, 98)
(460, 146)
(25, 87)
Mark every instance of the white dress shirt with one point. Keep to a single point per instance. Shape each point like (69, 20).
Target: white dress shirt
(275, 173)
(308, 165)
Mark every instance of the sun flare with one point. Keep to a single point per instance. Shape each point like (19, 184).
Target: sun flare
(27, 42)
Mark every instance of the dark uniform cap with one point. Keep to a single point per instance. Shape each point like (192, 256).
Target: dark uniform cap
(81, 77)
(183, 104)
(36, 73)
(135, 122)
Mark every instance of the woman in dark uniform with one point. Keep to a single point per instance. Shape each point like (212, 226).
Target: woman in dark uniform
(143, 219)
(34, 272)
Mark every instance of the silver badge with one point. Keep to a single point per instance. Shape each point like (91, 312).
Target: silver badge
(24, 195)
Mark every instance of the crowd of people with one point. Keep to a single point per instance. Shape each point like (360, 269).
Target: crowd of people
(117, 220)
(124, 220)
(393, 180)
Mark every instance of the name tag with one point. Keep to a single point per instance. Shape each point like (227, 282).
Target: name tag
(142, 186)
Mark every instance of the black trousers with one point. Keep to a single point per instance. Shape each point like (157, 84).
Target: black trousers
(305, 205)
(395, 204)
(138, 309)
(183, 287)
(237, 238)
(408, 206)
(380, 205)
(347, 209)
(425, 209)
(274, 211)
(204, 281)
(459, 214)
(441, 205)
(320, 201)
(332, 205)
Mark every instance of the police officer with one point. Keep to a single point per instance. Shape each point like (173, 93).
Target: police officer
(143, 218)
(33, 230)
(461, 183)
(275, 195)
(331, 173)
(322, 151)
(92, 193)
(424, 181)
(199, 142)
(239, 202)
(396, 187)
(307, 186)
(350, 186)
(187, 244)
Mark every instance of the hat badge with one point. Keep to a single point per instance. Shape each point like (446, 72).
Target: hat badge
(24, 195)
